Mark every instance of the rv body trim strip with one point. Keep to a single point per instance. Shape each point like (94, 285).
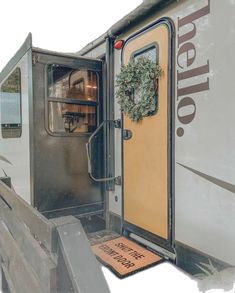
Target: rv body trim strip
(2, 158)
(223, 184)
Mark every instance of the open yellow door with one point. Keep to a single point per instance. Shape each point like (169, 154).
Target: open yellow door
(146, 154)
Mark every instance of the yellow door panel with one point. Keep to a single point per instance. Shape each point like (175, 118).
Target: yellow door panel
(146, 153)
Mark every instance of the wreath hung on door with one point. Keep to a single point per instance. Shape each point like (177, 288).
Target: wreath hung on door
(137, 85)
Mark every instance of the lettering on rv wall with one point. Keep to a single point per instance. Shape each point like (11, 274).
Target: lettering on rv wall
(187, 74)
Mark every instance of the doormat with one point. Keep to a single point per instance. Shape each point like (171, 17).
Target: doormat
(124, 257)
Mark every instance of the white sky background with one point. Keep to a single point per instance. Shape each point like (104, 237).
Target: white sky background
(57, 25)
(67, 26)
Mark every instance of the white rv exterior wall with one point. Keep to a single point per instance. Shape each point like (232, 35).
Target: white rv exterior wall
(205, 209)
(16, 150)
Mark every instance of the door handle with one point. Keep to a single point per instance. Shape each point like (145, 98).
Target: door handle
(127, 134)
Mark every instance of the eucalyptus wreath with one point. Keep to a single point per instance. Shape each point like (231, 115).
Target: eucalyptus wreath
(137, 87)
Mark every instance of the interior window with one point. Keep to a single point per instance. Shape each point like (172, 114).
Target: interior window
(72, 100)
(71, 118)
(11, 119)
(150, 53)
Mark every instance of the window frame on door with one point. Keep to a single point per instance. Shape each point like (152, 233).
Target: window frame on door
(137, 54)
(70, 101)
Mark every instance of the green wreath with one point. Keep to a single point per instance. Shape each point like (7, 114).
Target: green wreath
(137, 88)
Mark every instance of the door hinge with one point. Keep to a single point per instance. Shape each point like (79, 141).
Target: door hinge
(35, 58)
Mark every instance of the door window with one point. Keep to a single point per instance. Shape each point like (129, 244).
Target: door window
(151, 53)
(72, 100)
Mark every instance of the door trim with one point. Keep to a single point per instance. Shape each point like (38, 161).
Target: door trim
(127, 227)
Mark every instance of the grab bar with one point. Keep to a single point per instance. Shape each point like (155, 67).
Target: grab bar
(89, 158)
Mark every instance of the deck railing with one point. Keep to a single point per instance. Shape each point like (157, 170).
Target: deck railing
(40, 255)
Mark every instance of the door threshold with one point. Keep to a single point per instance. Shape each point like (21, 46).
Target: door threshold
(158, 249)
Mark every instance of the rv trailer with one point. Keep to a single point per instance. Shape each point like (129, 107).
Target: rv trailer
(165, 182)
